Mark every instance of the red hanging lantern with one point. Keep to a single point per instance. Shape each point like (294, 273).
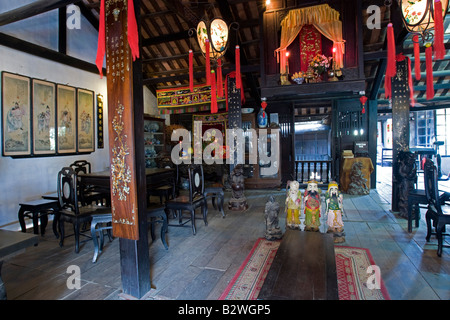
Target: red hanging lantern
(363, 100)
(191, 70)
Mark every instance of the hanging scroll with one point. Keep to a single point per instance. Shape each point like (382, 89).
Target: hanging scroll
(124, 200)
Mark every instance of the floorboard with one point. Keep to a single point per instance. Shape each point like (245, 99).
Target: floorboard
(201, 266)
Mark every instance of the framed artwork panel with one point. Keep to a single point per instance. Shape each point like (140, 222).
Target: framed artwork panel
(66, 113)
(85, 120)
(16, 114)
(44, 117)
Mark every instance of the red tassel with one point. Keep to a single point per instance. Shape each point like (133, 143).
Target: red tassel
(208, 66)
(391, 69)
(219, 79)
(416, 57)
(101, 39)
(191, 70)
(439, 48)
(387, 87)
(429, 65)
(214, 107)
(133, 36)
(410, 83)
(238, 68)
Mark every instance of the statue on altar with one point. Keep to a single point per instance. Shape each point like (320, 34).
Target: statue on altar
(293, 205)
(238, 202)
(271, 212)
(334, 211)
(312, 206)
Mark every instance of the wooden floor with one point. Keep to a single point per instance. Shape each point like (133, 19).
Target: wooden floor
(200, 267)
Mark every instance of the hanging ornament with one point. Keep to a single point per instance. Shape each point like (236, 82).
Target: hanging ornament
(191, 70)
(391, 68)
(101, 39)
(439, 47)
(429, 71)
(219, 79)
(416, 57)
(261, 117)
(133, 36)
(238, 68)
(208, 64)
(214, 107)
(363, 100)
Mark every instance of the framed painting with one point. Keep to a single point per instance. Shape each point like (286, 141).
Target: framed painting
(16, 114)
(85, 120)
(44, 117)
(66, 119)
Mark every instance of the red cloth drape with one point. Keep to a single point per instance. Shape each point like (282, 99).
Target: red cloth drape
(101, 39)
(391, 68)
(132, 31)
(133, 35)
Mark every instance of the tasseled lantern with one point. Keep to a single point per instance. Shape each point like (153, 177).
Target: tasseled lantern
(391, 68)
(363, 100)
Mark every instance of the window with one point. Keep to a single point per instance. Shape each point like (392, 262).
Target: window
(443, 130)
(425, 128)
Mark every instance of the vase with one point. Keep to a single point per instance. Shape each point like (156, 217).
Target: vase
(261, 118)
(298, 80)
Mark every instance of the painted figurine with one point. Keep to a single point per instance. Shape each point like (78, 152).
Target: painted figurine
(271, 212)
(334, 210)
(312, 205)
(293, 205)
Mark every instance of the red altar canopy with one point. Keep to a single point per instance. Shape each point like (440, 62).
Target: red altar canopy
(323, 18)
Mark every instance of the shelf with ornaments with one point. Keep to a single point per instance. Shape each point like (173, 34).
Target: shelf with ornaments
(153, 140)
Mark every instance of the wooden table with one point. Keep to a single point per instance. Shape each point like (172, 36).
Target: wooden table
(304, 268)
(10, 243)
(154, 177)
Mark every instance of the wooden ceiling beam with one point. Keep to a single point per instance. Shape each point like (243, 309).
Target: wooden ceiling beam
(32, 9)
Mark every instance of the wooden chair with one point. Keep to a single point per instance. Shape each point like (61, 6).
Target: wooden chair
(100, 223)
(167, 189)
(215, 191)
(70, 208)
(193, 200)
(89, 194)
(438, 214)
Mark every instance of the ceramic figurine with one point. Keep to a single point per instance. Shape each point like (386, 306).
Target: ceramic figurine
(312, 205)
(271, 212)
(238, 202)
(293, 205)
(334, 211)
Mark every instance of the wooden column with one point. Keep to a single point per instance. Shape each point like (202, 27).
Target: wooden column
(125, 113)
(400, 124)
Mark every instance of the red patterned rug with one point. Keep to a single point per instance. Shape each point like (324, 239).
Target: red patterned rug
(351, 267)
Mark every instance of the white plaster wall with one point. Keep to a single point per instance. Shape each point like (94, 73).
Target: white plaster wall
(27, 179)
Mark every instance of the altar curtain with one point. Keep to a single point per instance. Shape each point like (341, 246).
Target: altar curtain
(324, 18)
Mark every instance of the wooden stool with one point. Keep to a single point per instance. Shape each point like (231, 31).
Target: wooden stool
(38, 210)
(214, 191)
(156, 214)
